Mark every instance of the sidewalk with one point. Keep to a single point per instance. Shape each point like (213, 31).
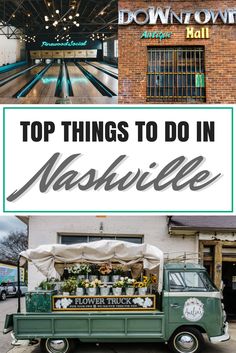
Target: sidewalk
(226, 347)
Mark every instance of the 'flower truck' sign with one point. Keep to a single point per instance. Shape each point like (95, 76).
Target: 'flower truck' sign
(125, 302)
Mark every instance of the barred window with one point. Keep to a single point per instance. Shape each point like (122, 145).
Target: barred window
(176, 74)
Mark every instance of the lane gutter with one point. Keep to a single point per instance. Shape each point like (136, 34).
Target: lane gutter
(104, 90)
(29, 85)
(12, 77)
(108, 72)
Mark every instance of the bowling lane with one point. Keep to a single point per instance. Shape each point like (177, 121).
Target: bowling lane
(14, 71)
(81, 86)
(12, 87)
(107, 80)
(106, 67)
(46, 86)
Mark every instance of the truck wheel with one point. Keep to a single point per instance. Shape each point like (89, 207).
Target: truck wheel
(3, 295)
(56, 345)
(186, 340)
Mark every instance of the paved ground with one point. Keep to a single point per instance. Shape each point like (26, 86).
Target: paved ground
(7, 307)
(5, 341)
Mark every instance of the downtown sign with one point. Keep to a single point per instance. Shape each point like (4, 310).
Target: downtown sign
(156, 15)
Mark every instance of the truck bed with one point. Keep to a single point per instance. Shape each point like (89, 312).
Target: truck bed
(91, 326)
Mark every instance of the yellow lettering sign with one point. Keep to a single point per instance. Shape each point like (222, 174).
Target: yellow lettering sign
(192, 33)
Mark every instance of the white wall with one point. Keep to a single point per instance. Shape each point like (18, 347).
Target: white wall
(10, 50)
(45, 229)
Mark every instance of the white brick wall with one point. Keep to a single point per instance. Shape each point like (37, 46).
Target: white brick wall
(10, 50)
(45, 229)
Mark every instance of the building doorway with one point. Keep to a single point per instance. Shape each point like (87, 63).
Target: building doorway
(219, 258)
(229, 292)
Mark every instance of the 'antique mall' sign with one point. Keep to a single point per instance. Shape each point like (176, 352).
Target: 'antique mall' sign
(154, 15)
(83, 303)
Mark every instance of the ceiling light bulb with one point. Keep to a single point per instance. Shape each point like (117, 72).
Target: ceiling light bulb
(28, 14)
(73, 7)
(70, 17)
(57, 11)
(46, 27)
(64, 19)
(77, 24)
(77, 15)
(13, 15)
(49, 4)
(74, 22)
(64, 28)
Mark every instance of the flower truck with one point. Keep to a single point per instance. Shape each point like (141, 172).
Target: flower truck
(114, 291)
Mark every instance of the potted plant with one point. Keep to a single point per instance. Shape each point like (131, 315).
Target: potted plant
(81, 270)
(80, 287)
(129, 285)
(142, 288)
(117, 272)
(94, 272)
(104, 270)
(69, 286)
(145, 283)
(47, 285)
(104, 289)
(117, 287)
(91, 287)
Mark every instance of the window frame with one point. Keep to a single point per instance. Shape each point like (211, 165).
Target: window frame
(191, 75)
(105, 49)
(116, 48)
(192, 289)
(113, 236)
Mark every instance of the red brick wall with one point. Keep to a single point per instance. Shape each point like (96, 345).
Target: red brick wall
(220, 51)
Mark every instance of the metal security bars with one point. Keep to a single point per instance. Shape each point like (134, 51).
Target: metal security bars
(176, 74)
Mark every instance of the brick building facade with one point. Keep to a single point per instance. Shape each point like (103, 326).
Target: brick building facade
(178, 69)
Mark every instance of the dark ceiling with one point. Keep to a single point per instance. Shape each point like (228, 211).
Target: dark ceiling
(53, 17)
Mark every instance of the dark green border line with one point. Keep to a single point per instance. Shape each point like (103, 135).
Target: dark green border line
(122, 211)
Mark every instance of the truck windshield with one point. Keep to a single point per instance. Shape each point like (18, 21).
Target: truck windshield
(190, 281)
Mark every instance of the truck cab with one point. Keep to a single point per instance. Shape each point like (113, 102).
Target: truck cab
(192, 306)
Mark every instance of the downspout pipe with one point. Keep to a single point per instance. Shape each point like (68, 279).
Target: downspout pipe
(18, 285)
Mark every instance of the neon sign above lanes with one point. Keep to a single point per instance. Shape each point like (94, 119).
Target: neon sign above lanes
(64, 44)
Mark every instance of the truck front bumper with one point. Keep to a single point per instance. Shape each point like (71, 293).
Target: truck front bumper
(223, 338)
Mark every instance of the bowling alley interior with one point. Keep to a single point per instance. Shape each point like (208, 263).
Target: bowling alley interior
(58, 52)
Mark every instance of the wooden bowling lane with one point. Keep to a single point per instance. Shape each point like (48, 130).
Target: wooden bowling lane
(81, 86)
(12, 87)
(105, 67)
(46, 86)
(14, 71)
(107, 80)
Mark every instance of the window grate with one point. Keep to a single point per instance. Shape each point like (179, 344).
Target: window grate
(176, 74)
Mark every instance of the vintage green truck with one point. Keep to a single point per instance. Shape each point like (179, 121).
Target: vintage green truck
(187, 305)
